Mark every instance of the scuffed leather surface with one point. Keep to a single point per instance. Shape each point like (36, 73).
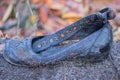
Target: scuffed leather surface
(94, 44)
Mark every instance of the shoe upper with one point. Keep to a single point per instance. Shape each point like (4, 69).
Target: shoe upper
(21, 52)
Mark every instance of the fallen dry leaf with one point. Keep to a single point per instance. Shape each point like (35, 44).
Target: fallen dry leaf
(8, 12)
(71, 15)
(57, 6)
(37, 33)
(35, 1)
(61, 21)
(117, 35)
(117, 20)
(71, 20)
(33, 18)
(48, 3)
(56, 12)
(43, 13)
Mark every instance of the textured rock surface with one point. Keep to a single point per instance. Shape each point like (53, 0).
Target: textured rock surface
(72, 70)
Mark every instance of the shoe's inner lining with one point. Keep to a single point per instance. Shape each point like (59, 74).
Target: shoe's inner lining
(37, 38)
(82, 32)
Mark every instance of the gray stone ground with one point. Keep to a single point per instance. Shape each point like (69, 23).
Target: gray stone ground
(72, 70)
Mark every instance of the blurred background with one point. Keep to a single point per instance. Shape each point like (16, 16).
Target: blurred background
(24, 18)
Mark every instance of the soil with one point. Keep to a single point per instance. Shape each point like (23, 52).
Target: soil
(68, 70)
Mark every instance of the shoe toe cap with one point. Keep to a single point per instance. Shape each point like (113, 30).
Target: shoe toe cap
(12, 52)
(18, 53)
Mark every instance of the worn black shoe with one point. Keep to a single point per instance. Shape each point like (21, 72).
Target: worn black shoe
(89, 37)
